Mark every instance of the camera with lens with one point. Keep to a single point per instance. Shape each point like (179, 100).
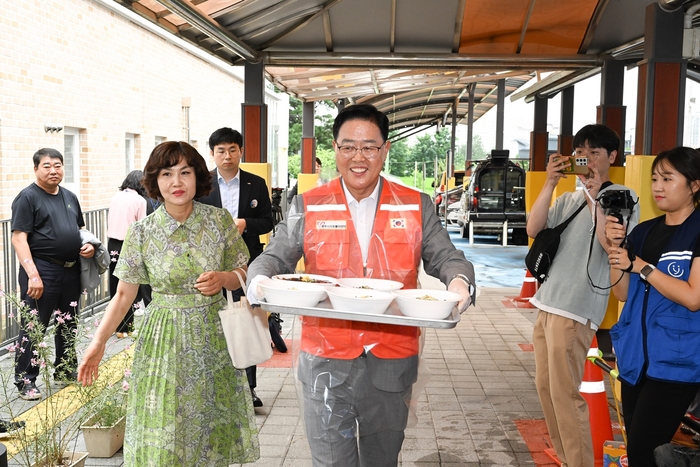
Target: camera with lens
(616, 201)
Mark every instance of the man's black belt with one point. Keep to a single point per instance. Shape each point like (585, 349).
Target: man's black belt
(58, 262)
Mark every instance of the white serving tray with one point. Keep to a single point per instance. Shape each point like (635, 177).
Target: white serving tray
(392, 315)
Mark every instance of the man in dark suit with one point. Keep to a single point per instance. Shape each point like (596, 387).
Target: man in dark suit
(246, 197)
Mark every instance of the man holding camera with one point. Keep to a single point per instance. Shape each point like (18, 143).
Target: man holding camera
(573, 299)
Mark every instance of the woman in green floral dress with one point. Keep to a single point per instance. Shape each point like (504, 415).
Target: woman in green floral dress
(188, 405)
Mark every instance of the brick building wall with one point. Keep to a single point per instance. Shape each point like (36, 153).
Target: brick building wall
(76, 64)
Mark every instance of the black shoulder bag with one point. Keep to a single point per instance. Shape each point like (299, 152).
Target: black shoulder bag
(541, 254)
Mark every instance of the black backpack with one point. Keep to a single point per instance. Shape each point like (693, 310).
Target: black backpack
(541, 254)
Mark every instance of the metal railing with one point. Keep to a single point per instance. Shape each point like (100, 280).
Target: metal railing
(95, 222)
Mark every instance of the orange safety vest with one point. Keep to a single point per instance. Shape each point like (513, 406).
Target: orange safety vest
(331, 248)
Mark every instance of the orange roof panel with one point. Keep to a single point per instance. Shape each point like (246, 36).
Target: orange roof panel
(554, 26)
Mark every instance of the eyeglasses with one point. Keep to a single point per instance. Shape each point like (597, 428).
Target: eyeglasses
(233, 151)
(592, 153)
(368, 152)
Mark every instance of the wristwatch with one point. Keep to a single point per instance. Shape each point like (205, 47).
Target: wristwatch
(464, 278)
(646, 270)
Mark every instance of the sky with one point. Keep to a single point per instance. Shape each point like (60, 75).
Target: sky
(519, 116)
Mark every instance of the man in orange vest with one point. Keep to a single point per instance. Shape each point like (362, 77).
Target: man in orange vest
(357, 376)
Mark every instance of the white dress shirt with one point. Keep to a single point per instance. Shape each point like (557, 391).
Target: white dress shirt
(362, 213)
(230, 192)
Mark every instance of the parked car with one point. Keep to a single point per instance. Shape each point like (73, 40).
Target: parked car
(448, 192)
(495, 193)
(453, 199)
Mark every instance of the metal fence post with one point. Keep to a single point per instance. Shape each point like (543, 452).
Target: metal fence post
(95, 222)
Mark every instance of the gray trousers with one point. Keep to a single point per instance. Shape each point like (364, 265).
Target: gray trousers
(355, 411)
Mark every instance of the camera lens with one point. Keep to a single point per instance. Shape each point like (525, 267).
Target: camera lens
(616, 199)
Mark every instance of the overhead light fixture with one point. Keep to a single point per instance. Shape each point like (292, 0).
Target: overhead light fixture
(52, 128)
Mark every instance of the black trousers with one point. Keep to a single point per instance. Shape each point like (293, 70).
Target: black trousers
(127, 325)
(61, 290)
(653, 410)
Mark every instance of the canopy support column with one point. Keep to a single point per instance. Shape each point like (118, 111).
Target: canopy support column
(254, 114)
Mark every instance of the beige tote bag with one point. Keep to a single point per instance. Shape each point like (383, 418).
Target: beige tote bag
(246, 331)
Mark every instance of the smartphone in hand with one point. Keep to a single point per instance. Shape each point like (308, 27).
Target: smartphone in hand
(578, 165)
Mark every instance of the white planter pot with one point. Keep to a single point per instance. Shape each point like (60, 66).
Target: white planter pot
(104, 441)
(77, 459)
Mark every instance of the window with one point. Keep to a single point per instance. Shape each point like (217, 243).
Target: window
(515, 190)
(272, 156)
(71, 159)
(129, 151)
(160, 139)
(492, 195)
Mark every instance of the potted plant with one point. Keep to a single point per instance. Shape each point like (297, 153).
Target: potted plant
(103, 431)
(52, 425)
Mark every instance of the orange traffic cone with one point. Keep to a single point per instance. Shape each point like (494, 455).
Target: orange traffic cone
(527, 291)
(593, 390)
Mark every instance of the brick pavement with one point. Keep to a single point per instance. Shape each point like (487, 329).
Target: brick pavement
(481, 384)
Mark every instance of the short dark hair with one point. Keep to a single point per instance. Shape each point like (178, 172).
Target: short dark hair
(685, 160)
(46, 152)
(318, 162)
(133, 181)
(597, 136)
(225, 135)
(365, 112)
(168, 154)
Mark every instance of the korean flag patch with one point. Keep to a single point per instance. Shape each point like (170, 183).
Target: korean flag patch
(398, 223)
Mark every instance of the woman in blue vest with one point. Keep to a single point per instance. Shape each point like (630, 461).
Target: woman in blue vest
(657, 338)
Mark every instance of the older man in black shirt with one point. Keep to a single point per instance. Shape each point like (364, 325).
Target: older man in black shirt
(46, 223)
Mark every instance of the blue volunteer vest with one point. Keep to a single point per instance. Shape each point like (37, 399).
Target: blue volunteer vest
(654, 333)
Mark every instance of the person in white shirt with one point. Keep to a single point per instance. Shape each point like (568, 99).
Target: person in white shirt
(246, 197)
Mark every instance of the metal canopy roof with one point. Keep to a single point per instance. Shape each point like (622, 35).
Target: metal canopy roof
(411, 58)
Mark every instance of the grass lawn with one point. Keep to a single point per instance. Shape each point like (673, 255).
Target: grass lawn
(418, 183)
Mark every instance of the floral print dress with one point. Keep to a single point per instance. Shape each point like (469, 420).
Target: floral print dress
(188, 405)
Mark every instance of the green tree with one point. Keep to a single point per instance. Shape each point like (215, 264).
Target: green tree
(429, 147)
(324, 132)
(398, 162)
(324, 114)
(294, 165)
(460, 156)
(295, 119)
(327, 157)
(478, 151)
(443, 141)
